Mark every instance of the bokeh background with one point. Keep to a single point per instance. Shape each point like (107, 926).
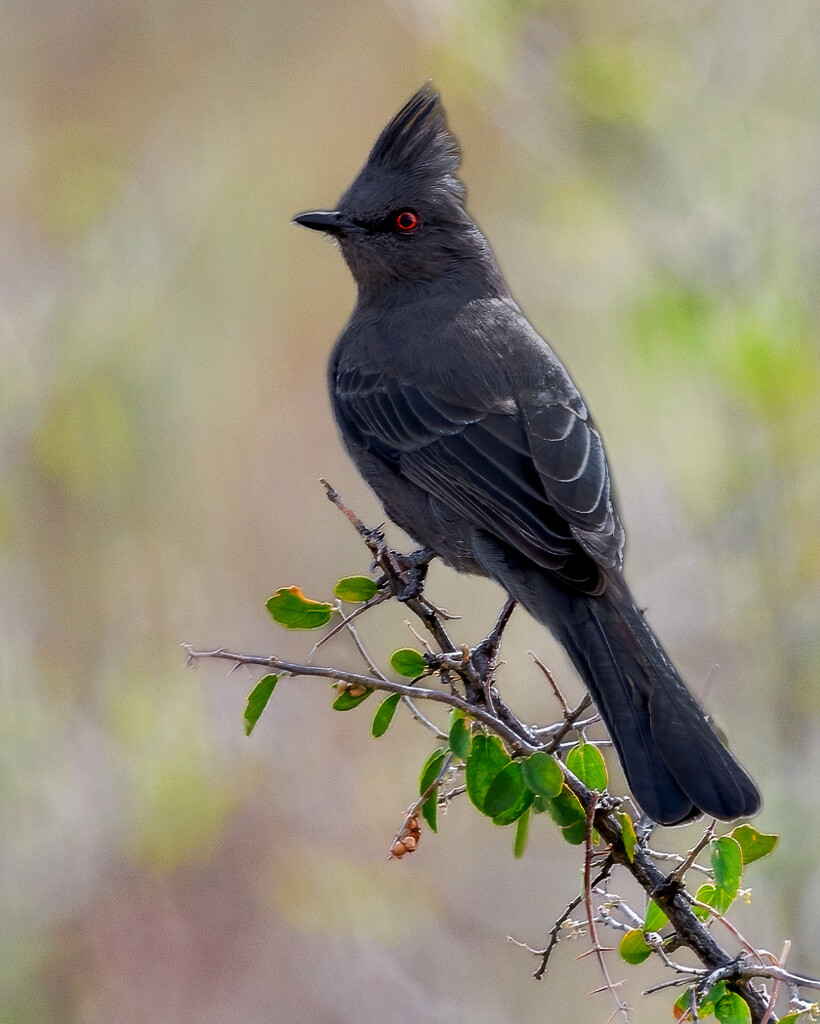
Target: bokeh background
(649, 176)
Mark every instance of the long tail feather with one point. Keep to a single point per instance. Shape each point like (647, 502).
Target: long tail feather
(673, 759)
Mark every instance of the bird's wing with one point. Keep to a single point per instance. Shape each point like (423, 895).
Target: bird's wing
(569, 456)
(535, 478)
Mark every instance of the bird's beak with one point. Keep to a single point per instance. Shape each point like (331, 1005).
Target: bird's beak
(330, 221)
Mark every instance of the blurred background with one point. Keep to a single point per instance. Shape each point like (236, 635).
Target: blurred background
(649, 176)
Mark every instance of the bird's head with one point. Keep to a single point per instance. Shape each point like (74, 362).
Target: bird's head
(402, 221)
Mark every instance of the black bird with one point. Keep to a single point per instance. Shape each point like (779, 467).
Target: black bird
(466, 425)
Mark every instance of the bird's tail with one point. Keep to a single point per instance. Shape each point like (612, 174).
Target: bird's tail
(674, 762)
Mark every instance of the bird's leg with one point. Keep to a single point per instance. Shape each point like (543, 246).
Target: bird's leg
(484, 655)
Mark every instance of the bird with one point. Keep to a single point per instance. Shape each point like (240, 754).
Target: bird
(469, 429)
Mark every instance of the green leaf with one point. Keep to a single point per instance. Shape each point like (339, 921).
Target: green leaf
(408, 662)
(790, 1018)
(384, 714)
(505, 790)
(705, 894)
(486, 760)
(513, 813)
(655, 918)
(522, 833)
(585, 761)
(566, 811)
(429, 811)
(430, 769)
(346, 701)
(630, 840)
(355, 589)
(460, 738)
(707, 1003)
(542, 774)
(753, 844)
(633, 947)
(293, 610)
(733, 1009)
(258, 700)
(684, 1003)
(727, 864)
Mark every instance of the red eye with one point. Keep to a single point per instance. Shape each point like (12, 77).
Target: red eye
(407, 221)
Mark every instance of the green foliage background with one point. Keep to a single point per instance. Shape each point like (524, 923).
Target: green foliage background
(648, 175)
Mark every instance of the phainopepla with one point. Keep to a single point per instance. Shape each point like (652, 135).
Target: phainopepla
(468, 428)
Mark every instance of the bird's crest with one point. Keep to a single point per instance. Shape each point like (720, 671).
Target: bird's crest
(417, 145)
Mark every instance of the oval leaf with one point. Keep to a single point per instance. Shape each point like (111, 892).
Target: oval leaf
(429, 811)
(505, 790)
(346, 701)
(566, 811)
(633, 947)
(684, 1004)
(460, 738)
(630, 840)
(542, 774)
(355, 589)
(707, 894)
(384, 714)
(753, 844)
(408, 662)
(293, 610)
(655, 918)
(486, 760)
(585, 761)
(706, 1006)
(258, 700)
(513, 813)
(733, 1009)
(727, 864)
(430, 769)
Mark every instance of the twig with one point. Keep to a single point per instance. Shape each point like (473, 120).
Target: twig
(396, 576)
(748, 947)
(374, 668)
(560, 922)
(371, 682)
(777, 981)
(414, 711)
(379, 598)
(620, 1007)
(551, 680)
(676, 875)
(659, 855)
(414, 809)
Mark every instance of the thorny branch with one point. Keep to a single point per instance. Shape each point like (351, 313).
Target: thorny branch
(468, 676)
(597, 948)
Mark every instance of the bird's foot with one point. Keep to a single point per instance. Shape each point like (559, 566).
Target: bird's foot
(411, 570)
(485, 654)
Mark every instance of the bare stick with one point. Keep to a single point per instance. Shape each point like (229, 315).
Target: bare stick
(597, 949)
(371, 682)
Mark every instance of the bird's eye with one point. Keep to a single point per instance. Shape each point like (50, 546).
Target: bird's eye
(406, 221)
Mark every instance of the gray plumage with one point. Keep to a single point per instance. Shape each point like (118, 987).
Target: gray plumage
(466, 425)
